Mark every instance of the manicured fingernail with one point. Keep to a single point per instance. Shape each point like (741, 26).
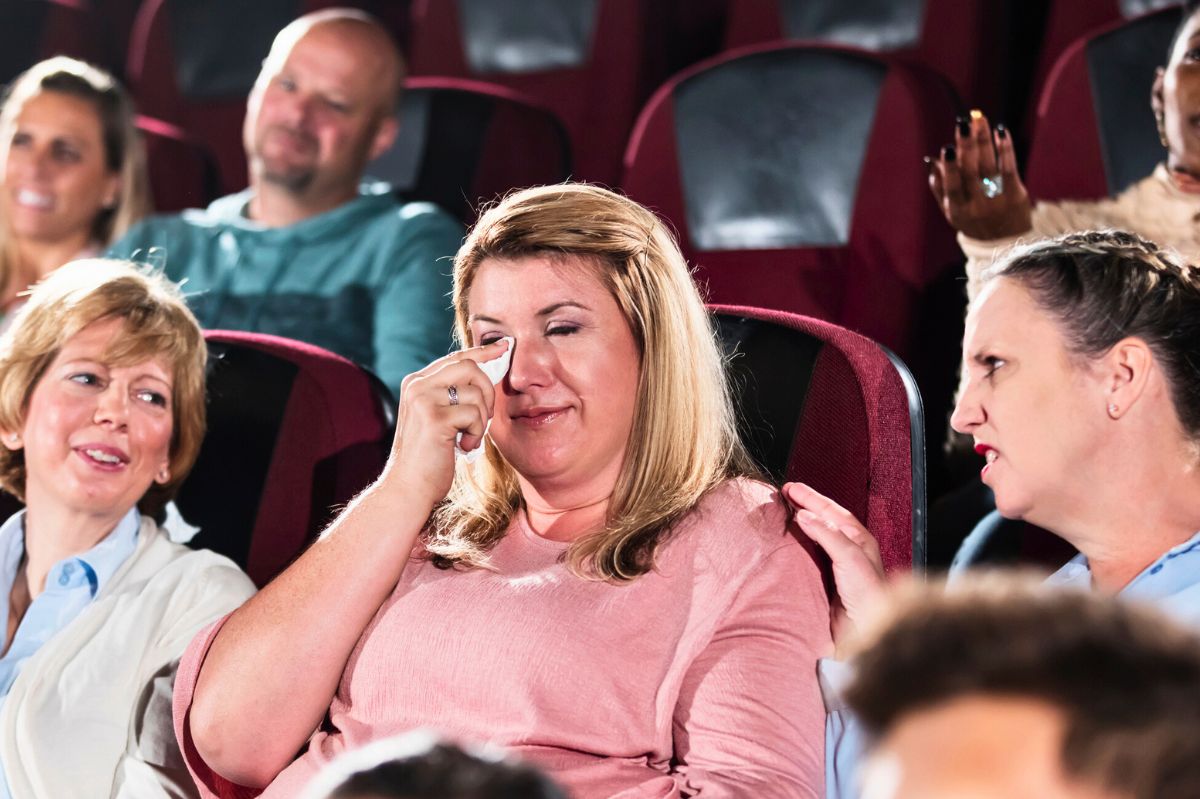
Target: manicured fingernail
(949, 153)
(1002, 131)
(964, 127)
(976, 114)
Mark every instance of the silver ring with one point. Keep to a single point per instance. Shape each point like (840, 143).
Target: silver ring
(993, 186)
(453, 392)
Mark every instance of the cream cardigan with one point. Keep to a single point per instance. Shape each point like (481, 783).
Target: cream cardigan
(89, 715)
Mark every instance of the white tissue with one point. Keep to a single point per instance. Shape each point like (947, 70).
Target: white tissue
(495, 369)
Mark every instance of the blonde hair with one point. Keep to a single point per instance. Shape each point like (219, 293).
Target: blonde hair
(123, 149)
(684, 439)
(156, 323)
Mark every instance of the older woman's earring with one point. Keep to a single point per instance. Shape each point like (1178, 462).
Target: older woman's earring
(1162, 129)
(1112, 410)
(14, 438)
(164, 474)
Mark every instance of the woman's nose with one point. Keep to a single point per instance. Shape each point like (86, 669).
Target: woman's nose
(532, 365)
(112, 406)
(968, 412)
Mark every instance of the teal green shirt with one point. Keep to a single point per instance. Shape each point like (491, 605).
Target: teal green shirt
(369, 280)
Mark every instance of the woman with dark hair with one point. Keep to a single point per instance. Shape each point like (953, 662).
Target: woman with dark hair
(74, 175)
(977, 185)
(1082, 393)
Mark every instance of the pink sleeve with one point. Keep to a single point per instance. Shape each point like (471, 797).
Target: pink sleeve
(210, 784)
(750, 720)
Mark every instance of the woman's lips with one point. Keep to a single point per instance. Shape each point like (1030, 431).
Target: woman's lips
(102, 457)
(539, 417)
(990, 455)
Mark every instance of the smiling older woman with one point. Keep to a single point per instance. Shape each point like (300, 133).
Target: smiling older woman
(605, 592)
(101, 418)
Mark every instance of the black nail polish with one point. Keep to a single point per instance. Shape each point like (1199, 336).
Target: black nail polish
(1002, 131)
(964, 127)
(949, 153)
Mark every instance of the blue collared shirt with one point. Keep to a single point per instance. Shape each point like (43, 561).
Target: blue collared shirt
(1171, 583)
(71, 585)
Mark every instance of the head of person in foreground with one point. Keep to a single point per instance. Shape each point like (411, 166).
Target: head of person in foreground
(420, 766)
(1007, 688)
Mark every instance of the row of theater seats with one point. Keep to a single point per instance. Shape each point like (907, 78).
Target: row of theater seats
(296, 431)
(591, 62)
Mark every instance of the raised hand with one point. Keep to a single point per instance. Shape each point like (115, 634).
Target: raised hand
(450, 396)
(854, 552)
(976, 183)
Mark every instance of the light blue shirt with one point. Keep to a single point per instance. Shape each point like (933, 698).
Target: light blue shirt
(1171, 583)
(71, 585)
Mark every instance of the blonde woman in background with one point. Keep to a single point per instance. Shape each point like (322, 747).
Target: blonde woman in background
(74, 171)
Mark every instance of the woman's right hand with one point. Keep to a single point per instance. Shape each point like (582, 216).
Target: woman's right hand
(956, 178)
(428, 423)
(854, 552)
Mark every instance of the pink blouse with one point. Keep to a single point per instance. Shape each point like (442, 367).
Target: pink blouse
(697, 679)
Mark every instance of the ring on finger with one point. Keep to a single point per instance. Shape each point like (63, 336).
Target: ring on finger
(993, 186)
(453, 392)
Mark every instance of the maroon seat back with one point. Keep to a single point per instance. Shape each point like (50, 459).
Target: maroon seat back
(182, 172)
(820, 404)
(294, 433)
(585, 60)
(1070, 20)
(793, 174)
(31, 30)
(463, 142)
(1094, 133)
(961, 39)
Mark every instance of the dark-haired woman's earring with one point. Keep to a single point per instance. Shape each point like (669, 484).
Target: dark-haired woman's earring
(1112, 410)
(1162, 129)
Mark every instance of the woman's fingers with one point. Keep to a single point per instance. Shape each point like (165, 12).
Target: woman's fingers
(981, 134)
(1007, 156)
(847, 542)
(967, 150)
(952, 180)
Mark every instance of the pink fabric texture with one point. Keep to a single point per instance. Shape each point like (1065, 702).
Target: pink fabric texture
(697, 679)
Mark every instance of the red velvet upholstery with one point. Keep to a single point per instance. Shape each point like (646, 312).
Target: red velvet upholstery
(1067, 156)
(321, 424)
(182, 172)
(1066, 22)
(477, 142)
(854, 437)
(961, 39)
(597, 100)
(898, 242)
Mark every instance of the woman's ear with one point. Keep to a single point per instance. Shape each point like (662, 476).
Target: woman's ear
(1127, 369)
(1156, 94)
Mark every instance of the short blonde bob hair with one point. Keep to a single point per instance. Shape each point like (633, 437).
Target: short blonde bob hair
(157, 323)
(684, 439)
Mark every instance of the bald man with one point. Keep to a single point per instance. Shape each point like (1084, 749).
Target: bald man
(310, 251)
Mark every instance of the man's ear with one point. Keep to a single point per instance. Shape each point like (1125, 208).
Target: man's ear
(385, 137)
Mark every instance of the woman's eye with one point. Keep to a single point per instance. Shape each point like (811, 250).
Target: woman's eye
(490, 338)
(993, 363)
(562, 330)
(85, 378)
(152, 397)
(1193, 54)
(66, 153)
(21, 139)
